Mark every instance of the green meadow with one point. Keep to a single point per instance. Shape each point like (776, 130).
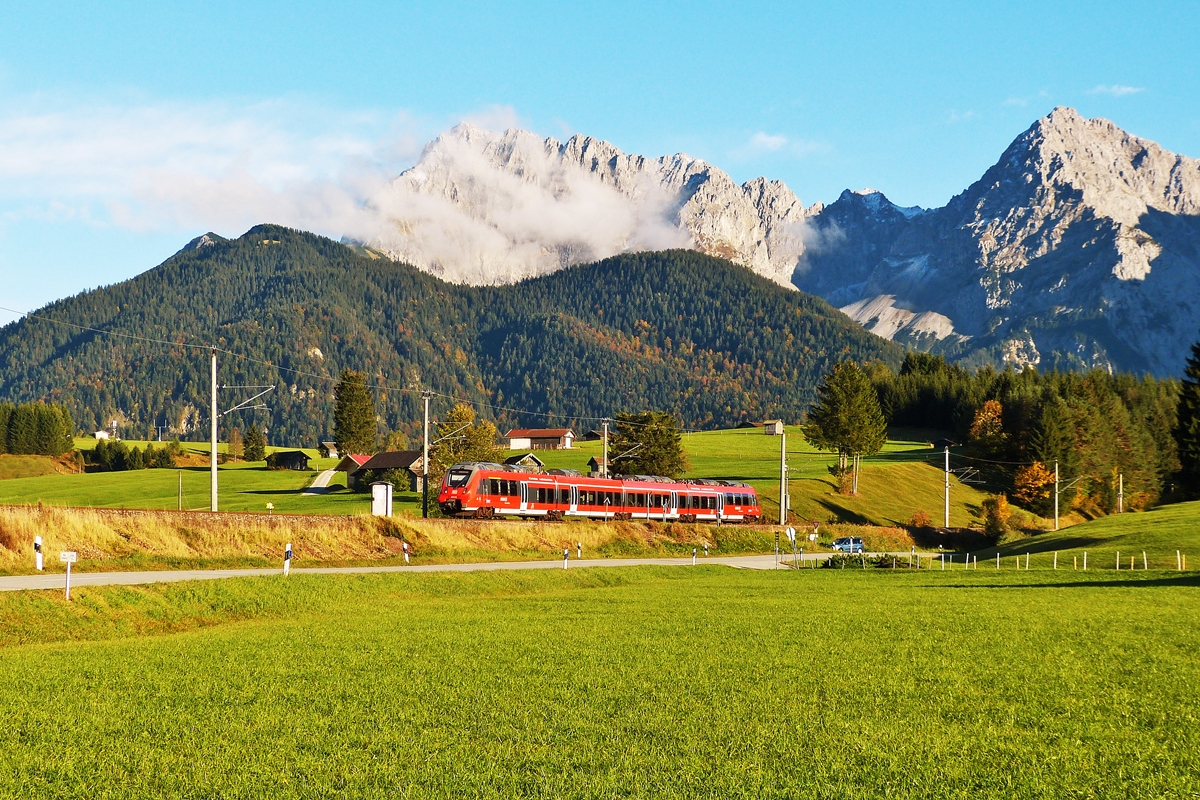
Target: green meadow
(631, 682)
(903, 479)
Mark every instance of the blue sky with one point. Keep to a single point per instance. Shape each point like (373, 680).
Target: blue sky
(128, 128)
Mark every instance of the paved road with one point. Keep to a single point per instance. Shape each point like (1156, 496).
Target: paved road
(320, 484)
(56, 580)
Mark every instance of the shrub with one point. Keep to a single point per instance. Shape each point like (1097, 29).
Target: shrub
(996, 516)
(919, 520)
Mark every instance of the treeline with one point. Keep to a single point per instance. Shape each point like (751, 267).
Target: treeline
(41, 429)
(118, 456)
(1014, 426)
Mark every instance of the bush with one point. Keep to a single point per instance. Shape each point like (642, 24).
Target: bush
(919, 520)
(997, 516)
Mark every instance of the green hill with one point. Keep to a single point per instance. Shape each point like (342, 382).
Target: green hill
(1159, 533)
(674, 330)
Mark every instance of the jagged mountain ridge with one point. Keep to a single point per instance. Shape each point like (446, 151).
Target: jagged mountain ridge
(481, 207)
(1078, 249)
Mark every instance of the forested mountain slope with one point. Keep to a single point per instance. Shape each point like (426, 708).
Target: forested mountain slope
(673, 330)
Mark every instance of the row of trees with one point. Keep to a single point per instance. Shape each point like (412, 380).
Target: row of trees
(43, 429)
(118, 456)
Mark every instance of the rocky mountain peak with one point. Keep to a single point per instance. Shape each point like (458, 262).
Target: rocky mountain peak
(486, 207)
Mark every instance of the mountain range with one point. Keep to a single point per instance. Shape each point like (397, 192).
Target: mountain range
(1079, 248)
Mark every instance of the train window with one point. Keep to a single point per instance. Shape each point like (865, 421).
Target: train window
(458, 477)
(564, 496)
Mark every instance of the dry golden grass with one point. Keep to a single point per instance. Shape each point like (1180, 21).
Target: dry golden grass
(130, 539)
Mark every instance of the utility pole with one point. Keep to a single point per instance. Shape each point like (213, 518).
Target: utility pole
(783, 483)
(425, 460)
(946, 509)
(604, 463)
(1056, 494)
(213, 454)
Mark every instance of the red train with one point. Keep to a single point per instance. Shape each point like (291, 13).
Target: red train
(485, 490)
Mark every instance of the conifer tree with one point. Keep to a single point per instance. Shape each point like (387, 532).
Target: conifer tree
(1187, 426)
(353, 414)
(648, 443)
(255, 446)
(846, 418)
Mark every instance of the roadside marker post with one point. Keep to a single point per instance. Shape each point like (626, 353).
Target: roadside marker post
(706, 549)
(566, 555)
(791, 534)
(287, 560)
(68, 557)
(37, 552)
(693, 556)
(579, 550)
(404, 546)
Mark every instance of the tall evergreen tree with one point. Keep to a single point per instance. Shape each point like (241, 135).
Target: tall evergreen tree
(255, 446)
(847, 417)
(1187, 426)
(648, 443)
(354, 425)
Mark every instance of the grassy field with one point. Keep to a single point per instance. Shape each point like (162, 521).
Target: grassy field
(904, 478)
(639, 682)
(1158, 533)
(901, 480)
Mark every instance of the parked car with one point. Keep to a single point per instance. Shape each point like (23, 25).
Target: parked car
(848, 544)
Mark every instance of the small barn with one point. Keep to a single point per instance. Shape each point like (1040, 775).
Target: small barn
(596, 467)
(408, 461)
(540, 439)
(288, 459)
(328, 449)
(773, 427)
(350, 465)
(528, 461)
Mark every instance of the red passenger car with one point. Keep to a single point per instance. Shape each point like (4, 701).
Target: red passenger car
(484, 490)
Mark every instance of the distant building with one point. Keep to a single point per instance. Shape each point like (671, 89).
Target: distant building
(350, 465)
(406, 460)
(528, 460)
(942, 444)
(99, 435)
(288, 459)
(592, 436)
(774, 427)
(540, 439)
(595, 467)
(328, 449)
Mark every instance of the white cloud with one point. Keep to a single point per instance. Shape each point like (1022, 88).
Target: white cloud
(1116, 90)
(763, 143)
(1016, 101)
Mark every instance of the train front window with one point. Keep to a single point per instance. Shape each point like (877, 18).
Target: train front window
(458, 477)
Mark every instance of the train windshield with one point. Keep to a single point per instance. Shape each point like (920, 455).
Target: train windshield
(458, 477)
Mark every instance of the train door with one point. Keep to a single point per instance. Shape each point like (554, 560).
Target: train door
(674, 509)
(720, 505)
(574, 499)
(524, 491)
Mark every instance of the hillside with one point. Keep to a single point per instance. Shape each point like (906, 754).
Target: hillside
(676, 330)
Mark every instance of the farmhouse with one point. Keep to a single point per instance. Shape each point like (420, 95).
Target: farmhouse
(288, 459)
(540, 438)
(408, 461)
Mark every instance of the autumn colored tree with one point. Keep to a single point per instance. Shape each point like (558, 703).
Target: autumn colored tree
(1032, 486)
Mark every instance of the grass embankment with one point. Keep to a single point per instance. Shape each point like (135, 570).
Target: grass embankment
(671, 682)
(1159, 533)
(133, 540)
